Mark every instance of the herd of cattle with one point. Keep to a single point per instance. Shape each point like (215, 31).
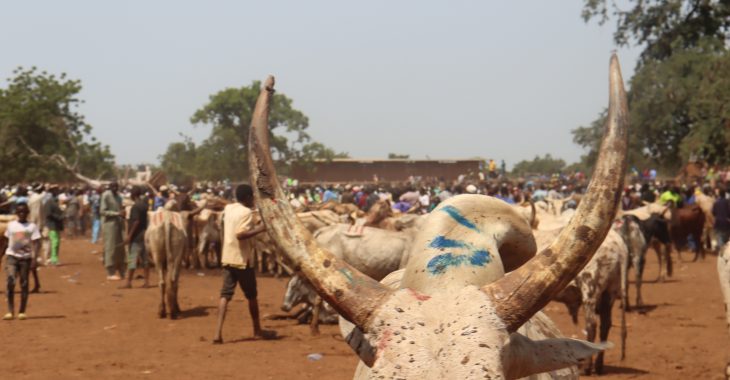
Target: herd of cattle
(455, 293)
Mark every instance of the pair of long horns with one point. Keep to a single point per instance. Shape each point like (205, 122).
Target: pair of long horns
(517, 296)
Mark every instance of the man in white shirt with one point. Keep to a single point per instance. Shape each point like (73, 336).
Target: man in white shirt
(237, 258)
(23, 246)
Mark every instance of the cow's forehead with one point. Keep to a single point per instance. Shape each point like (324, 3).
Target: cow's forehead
(453, 334)
(459, 244)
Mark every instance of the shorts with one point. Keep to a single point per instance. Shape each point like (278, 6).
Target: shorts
(136, 249)
(246, 279)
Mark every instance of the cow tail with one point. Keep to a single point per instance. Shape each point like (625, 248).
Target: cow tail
(168, 231)
(533, 212)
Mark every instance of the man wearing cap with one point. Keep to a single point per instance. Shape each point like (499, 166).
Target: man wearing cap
(111, 231)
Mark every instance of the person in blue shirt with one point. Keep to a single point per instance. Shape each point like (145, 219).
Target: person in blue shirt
(95, 202)
(329, 195)
(161, 198)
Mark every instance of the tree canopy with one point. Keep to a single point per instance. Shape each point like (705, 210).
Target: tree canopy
(662, 26)
(223, 155)
(679, 94)
(42, 135)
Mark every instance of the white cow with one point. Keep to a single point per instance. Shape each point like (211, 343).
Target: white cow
(723, 270)
(166, 241)
(455, 314)
(538, 327)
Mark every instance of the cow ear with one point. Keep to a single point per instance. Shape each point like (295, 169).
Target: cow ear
(523, 357)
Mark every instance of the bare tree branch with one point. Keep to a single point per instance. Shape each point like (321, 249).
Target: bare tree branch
(63, 163)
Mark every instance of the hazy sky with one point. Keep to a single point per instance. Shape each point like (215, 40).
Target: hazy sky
(446, 79)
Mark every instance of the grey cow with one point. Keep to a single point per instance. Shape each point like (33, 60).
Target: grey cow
(375, 253)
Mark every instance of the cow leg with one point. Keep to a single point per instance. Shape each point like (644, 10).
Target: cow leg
(668, 257)
(304, 315)
(202, 252)
(589, 307)
(696, 246)
(659, 255)
(217, 249)
(639, 261)
(625, 281)
(173, 277)
(279, 269)
(314, 324)
(258, 261)
(271, 264)
(707, 236)
(604, 312)
(161, 283)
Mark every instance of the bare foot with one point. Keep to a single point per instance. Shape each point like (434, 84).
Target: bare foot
(218, 341)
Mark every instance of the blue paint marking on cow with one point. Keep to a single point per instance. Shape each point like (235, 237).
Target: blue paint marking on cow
(440, 263)
(480, 258)
(461, 219)
(444, 242)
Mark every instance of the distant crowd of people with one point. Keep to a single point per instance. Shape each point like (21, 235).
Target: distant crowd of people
(118, 217)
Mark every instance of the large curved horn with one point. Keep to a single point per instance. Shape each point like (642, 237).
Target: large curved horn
(522, 293)
(354, 295)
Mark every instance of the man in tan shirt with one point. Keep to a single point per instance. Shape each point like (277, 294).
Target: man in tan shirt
(237, 258)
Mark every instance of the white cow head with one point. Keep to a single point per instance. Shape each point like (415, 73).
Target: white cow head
(456, 313)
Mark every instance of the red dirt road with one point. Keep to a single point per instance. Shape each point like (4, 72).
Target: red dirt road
(83, 327)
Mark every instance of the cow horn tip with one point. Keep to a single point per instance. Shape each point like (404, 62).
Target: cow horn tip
(269, 83)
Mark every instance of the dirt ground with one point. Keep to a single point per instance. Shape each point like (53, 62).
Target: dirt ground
(81, 326)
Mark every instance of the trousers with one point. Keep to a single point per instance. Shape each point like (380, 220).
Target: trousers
(17, 267)
(55, 238)
(95, 227)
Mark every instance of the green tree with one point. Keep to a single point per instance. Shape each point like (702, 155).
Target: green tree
(42, 135)
(180, 161)
(228, 113)
(543, 165)
(396, 156)
(223, 154)
(679, 93)
(663, 26)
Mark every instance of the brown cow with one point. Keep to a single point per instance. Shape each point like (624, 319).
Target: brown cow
(688, 220)
(166, 240)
